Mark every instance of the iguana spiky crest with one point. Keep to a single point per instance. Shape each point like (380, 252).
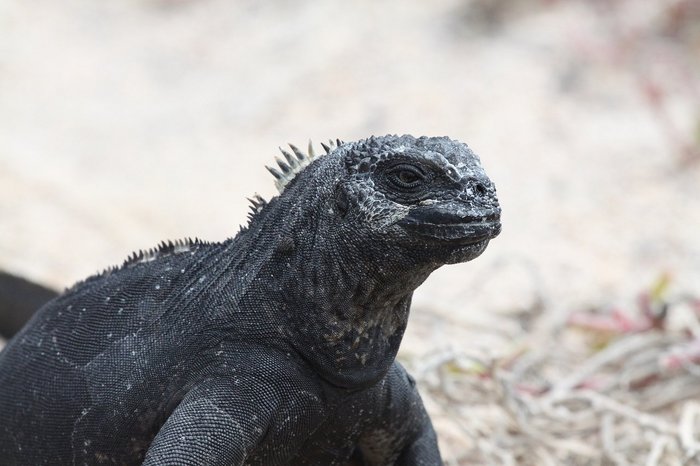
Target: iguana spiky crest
(296, 162)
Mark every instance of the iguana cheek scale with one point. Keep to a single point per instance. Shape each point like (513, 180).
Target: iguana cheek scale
(274, 347)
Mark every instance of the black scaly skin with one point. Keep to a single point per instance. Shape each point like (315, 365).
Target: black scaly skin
(275, 347)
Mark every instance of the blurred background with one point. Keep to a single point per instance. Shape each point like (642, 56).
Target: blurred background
(126, 123)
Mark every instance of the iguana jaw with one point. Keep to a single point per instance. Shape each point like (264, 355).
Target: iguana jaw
(450, 225)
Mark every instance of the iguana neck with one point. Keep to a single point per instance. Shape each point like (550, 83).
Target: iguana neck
(349, 309)
(344, 300)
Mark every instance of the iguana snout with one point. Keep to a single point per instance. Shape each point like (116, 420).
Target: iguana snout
(469, 214)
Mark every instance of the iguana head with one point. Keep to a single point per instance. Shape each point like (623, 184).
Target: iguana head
(358, 230)
(428, 195)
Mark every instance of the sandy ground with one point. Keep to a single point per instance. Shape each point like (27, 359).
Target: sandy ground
(125, 123)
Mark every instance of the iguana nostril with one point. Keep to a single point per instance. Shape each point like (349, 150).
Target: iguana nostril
(480, 188)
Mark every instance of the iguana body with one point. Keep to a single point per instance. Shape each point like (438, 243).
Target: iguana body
(275, 347)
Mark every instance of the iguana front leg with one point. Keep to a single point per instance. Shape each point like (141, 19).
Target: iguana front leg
(221, 422)
(402, 434)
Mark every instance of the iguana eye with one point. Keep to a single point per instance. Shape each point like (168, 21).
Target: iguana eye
(405, 176)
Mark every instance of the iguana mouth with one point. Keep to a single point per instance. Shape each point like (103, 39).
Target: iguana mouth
(441, 225)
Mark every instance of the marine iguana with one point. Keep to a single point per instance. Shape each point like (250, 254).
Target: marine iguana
(275, 347)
